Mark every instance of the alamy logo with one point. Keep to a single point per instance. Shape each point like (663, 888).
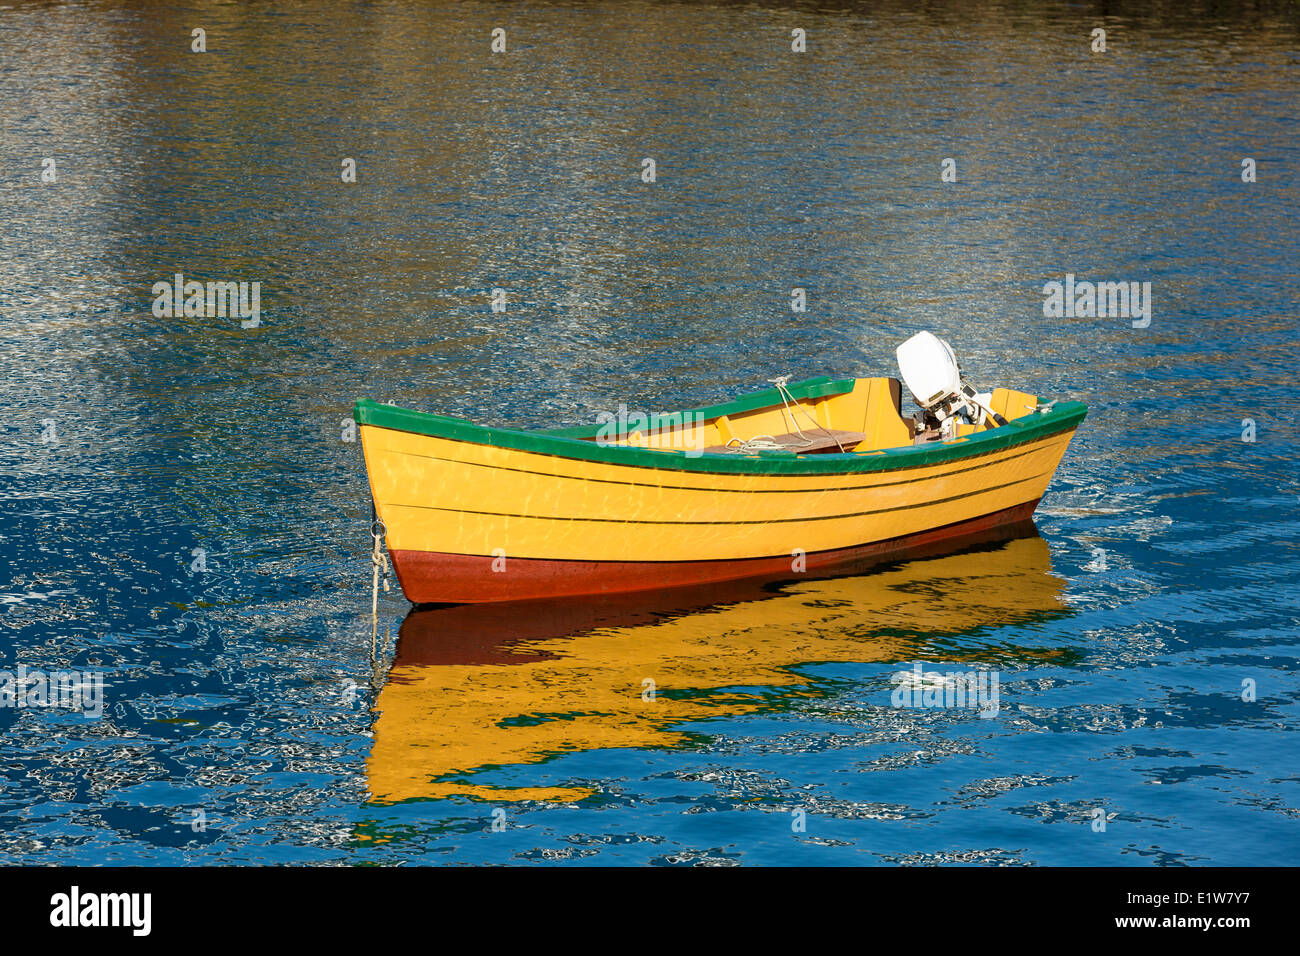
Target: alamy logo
(67, 690)
(1098, 300)
(680, 431)
(977, 690)
(208, 300)
(75, 908)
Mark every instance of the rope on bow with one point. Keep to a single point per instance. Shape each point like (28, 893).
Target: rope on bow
(379, 563)
(379, 566)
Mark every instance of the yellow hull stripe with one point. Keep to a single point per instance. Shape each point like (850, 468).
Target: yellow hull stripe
(443, 495)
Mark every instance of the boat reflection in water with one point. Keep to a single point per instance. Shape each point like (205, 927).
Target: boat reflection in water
(473, 688)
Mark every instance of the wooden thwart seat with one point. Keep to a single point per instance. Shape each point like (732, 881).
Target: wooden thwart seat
(814, 441)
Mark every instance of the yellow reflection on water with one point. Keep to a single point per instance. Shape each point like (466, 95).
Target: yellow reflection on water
(477, 687)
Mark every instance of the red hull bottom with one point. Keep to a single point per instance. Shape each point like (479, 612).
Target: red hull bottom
(429, 577)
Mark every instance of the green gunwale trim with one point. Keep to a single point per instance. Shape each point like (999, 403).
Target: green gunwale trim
(569, 443)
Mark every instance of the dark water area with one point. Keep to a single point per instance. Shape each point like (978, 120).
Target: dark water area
(180, 514)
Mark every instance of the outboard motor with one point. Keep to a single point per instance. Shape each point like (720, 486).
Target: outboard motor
(933, 376)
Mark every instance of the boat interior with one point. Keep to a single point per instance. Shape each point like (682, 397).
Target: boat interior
(851, 416)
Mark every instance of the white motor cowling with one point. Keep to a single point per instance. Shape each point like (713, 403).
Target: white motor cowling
(930, 369)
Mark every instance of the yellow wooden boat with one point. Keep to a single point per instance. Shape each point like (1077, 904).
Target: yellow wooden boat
(803, 477)
(475, 688)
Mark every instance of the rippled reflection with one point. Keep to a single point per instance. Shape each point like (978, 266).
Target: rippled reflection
(479, 686)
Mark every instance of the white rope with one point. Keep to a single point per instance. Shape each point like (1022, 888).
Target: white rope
(757, 443)
(784, 393)
(769, 443)
(379, 565)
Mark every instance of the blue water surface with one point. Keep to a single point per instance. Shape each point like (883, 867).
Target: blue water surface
(1158, 689)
